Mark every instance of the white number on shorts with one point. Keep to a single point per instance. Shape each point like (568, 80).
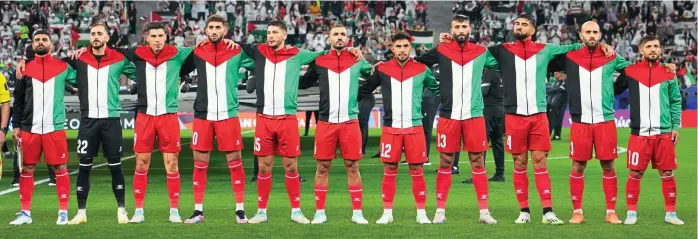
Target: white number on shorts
(633, 158)
(194, 138)
(571, 148)
(257, 146)
(82, 146)
(134, 138)
(509, 141)
(385, 150)
(441, 140)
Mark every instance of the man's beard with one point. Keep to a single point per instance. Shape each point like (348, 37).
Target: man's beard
(520, 36)
(648, 59)
(591, 45)
(339, 47)
(462, 38)
(402, 60)
(215, 40)
(41, 52)
(97, 47)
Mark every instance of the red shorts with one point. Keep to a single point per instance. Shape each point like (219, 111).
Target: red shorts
(277, 134)
(53, 145)
(411, 140)
(601, 136)
(658, 149)
(526, 133)
(227, 132)
(450, 132)
(164, 127)
(347, 134)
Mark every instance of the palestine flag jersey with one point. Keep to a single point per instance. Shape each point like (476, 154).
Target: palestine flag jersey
(460, 77)
(590, 84)
(523, 65)
(277, 75)
(402, 88)
(157, 76)
(39, 107)
(655, 98)
(217, 68)
(339, 84)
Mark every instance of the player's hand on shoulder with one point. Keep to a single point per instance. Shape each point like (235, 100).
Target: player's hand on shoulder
(445, 37)
(20, 69)
(671, 68)
(358, 55)
(78, 53)
(607, 50)
(231, 44)
(202, 43)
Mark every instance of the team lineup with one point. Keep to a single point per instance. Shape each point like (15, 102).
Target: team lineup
(39, 115)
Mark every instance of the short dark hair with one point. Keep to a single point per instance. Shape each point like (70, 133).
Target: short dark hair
(529, 18)
(279, 24)
(216, 18)
(649, 38)
(42, 32)
(460, 18)
(337, 25)
(400, 36)
(98, 24)
(155, 26)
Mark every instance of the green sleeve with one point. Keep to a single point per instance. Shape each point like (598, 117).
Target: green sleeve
(129, 70)
(621, 63)
(309, 56)
(365, 68)
(71, 78)
(555, 50)
(430, 82)
(183, 53)
(491, 62)
(246, 61)
(675, 104)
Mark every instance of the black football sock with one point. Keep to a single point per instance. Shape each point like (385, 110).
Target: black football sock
(117, 181)
(83, 185)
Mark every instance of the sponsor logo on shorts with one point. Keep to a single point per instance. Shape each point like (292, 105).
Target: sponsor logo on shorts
(63, 155)
(237, 142)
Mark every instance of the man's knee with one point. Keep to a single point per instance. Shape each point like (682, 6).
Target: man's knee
(418, 166)
(636, 174)
(28, 168)
(477, 160)
(290, 165)
(323, 168)
(666, 173)
(390, 166)
(520, 161)
(607, 166)
(578, 166)
(446, 160)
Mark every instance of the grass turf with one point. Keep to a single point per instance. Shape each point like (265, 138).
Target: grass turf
(461, 211)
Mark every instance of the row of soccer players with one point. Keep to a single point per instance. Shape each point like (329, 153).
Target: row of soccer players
(156, 69)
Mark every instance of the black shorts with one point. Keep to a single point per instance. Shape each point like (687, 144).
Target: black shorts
(92, 132)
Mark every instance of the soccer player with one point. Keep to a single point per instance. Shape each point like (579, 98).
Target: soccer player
(38, 122)
(523, 65)
(461, 121)
(216, 114)
(402, 81)
(338, 74)
(99, 108)
(591, 96)
(158, 69)
(655, 118)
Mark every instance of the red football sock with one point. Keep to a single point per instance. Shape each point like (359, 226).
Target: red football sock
(320, 195)
(26, 190)
(173, 189)
(237, 179)
(419, 188)
(140, 185)
(669, 190)
(356, 195)
(610, 189)
(481, 188)
(521, 187)
(63, 188)
(632, 192)
(293, 187)
(577, 189)
(263, 189)
(388, 188)
(543, 186)
(443, 185)
(199, 181)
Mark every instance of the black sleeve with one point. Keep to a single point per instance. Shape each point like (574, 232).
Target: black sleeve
(249, 49)
(129, 53)
(18, 105)
(429, 58)
(309, 78)
(70, 61)
(370, 85)
(487, 82)
(28, 54)
(189, 66)
(557, 63)
(250, 84)
(494, 50)
(621, 84)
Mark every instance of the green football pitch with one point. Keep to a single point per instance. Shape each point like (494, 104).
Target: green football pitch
(462, 210)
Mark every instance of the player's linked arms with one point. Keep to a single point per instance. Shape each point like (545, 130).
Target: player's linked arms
(229, 43)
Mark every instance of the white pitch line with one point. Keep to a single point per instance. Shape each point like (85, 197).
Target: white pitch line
(15, 189)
